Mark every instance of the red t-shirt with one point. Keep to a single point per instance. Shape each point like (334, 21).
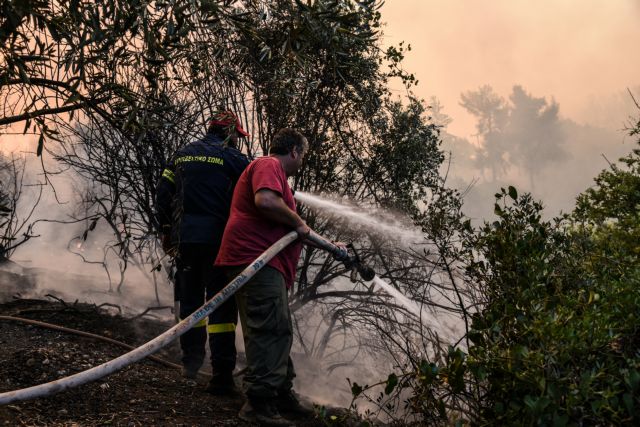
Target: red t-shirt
(248, 233)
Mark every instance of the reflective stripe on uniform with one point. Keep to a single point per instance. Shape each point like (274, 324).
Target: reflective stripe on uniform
(169, 175)
(202, 159)
(219, 328)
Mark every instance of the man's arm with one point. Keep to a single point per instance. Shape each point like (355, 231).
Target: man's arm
(272, 206)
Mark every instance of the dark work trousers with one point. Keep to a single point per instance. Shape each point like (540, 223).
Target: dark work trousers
(268, 333)
(197, 278)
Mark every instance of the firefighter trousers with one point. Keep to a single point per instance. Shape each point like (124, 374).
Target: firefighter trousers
(197, 280)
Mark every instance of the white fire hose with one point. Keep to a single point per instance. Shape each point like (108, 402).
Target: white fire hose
(160, 341)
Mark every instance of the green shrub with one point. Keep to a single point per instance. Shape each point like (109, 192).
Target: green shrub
(557, 338)
(557, 342)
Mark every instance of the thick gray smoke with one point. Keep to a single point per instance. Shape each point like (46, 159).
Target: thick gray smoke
(57, 260)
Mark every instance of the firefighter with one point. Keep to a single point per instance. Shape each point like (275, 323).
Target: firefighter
(192, 206)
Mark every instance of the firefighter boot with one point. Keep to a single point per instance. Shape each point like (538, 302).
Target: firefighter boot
(223, 357)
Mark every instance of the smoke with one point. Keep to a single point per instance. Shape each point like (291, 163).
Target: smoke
(53, 261)
(588, 150)
(552, 49)
(57, 260)
(610, 111)
(326, 358)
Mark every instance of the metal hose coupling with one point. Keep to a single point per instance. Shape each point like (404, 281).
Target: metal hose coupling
(351, 262)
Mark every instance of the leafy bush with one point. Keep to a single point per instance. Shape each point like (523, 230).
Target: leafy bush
(549, 342)
(557, 340)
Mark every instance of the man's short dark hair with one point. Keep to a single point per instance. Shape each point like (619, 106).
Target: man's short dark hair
(286, 140)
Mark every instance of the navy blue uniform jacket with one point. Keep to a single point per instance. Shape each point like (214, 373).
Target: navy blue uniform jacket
(193, 195)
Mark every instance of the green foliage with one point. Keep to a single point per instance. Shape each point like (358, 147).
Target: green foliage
(429, 393)
(406, 159)
(112, 59)
(557, 341)
(609, 212)
(65, 60)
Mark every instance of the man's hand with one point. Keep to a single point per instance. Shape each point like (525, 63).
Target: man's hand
(344, 252)
(167, 245)
(303, 231)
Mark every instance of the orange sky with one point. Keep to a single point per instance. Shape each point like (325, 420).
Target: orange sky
(576, 51)
(572, 50)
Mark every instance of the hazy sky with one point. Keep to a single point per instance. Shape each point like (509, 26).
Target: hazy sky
(572, 50)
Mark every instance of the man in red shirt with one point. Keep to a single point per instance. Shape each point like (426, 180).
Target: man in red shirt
(263, 210)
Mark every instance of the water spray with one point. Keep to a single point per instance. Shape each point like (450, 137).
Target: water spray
(352, 261)
(376, 221)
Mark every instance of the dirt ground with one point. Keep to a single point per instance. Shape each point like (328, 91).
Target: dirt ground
(144, 394)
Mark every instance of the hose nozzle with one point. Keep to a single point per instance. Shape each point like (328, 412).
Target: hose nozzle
(366, 272)
(351, 262)
(354, 264)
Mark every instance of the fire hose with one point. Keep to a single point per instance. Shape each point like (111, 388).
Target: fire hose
(107, 368)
